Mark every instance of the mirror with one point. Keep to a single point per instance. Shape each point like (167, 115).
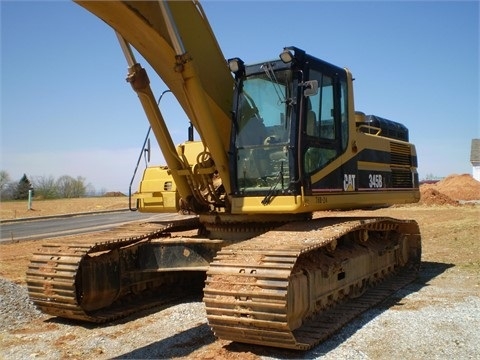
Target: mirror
(310, 88)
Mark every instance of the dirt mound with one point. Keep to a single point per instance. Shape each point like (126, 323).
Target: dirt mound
(459, 187)
(431, 196)
(450, 190)
(114, 194)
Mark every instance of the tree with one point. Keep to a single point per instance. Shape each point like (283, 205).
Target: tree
(23, 187)
(90, 190)
(80, 188)
(68, 187)
(45, 187)
(64, 186)
(4, 180)
(7, 188)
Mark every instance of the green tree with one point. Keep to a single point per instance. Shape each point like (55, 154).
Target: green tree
(24, 185)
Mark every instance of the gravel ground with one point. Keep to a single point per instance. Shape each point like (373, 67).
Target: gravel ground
(436, 317)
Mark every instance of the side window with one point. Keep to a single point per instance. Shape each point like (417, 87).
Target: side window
(320, 121)
(327, 123)
(321, 124)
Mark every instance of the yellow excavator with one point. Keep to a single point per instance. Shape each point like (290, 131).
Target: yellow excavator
(279, 141)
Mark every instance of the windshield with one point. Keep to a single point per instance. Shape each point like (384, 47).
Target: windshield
(263, 128)
(264, 99)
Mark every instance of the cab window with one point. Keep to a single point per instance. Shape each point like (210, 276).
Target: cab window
(325, 122)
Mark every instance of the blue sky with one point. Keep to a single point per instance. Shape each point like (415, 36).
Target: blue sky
(67, 110)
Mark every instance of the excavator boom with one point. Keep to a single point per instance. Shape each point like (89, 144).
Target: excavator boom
(175, 38)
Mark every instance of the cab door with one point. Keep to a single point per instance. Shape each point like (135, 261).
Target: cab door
(325, 131)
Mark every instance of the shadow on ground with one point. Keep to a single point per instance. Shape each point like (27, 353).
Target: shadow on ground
(185, 343)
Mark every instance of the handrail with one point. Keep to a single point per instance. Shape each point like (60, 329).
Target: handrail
(369, 127)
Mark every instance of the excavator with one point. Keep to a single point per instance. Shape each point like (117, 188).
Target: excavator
(280, 147)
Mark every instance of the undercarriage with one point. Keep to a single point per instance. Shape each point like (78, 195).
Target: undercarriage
(289, 287)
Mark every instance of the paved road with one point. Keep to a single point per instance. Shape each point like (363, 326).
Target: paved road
(61, 226)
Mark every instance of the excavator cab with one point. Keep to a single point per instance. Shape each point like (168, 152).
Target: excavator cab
(289, 121)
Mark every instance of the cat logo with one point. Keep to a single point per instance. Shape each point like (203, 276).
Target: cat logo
(349, 182)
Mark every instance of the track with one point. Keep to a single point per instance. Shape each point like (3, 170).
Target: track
(81, 281)
(295, 286)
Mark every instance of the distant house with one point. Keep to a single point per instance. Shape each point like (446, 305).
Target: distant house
(475, 159)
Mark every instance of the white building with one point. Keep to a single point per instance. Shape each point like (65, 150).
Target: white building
(475, 159)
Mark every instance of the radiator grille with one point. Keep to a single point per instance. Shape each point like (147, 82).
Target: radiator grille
(402, 179)
(400, 154)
